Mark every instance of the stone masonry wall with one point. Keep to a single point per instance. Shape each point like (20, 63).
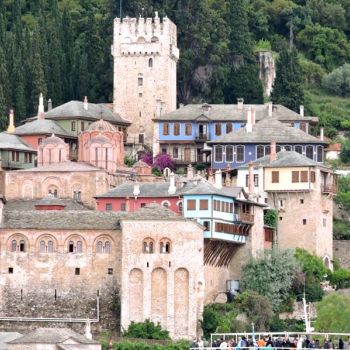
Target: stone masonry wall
(35, 284)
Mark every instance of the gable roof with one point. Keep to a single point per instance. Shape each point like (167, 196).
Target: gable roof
(231, 112)
(52, 336)
(11, 141)
(95, 111)
(208, 188)
(267, 130)
(42, 127)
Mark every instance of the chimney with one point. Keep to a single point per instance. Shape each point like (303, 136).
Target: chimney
(273, 155)
(322, 134)
(189, 172)
(240, 102)
(218, 179)
(88, 334)
(136, 190)
(251, 178)
(301, 110)
(11, 127)
(172, 187)
(249, 126)
(49, 104)
(156, 14)
(253, 116)
(269, 106)
(86, 104)
(41, 111)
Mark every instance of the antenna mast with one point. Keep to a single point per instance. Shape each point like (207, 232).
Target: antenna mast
(120, 9)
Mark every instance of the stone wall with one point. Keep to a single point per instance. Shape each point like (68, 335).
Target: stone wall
(35, 284)
(341, 249)
(165, 287)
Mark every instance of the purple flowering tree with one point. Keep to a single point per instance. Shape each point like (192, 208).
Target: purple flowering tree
(162, 161)
(148, 158)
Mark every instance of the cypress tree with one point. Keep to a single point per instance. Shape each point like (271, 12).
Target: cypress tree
(288, 86)
(4, 100)
(243, 80)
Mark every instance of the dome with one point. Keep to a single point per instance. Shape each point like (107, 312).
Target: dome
(52, 140)
(101, 125)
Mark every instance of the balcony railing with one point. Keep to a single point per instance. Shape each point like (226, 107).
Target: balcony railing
(202, 137)
(329, 188)
(246, 217)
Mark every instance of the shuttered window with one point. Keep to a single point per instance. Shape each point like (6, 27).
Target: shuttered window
(275, 177)
(304, 176)
(166, 129)
(217, 129)
(191, 204)
(188, 129)
(203, 204)
(176, 129)
(295, 176)
(228, 127)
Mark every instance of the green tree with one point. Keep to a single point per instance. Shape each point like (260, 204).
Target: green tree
(271, 274)
(345, 152)
(333, 314)
(338, 81)
(146, 330)
(288, 86)
(243, 80)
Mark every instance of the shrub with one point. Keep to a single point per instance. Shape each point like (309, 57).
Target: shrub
(292, 325)
(270, 218)
(146, 330)
(338, 81)
(340, 278)
(147, 158)
(345, 151)
(162, 161)
(129, 161)
(341, 229)
(156, 172)
(312, 265)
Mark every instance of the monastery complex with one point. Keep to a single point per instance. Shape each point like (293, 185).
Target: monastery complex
(84, 237)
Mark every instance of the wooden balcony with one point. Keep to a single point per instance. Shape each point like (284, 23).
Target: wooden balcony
(202, 138)
(246, 218)
(329, 189)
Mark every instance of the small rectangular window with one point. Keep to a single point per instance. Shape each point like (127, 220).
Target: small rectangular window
(206, 224)
(295, 176)
(140, 94)
(313, 176)
(40, 140)
(110, 271)
(275, 177)
(188, 129)
(10, 270)
(175, 152)
(176, 129)
(77, 270)
(191, 204)
(143, 205)
(122, 206)
(140, 81)
(82, 126)
(165, 129)
(73, 126)
(109, 207)
(324, 222)
(256, 180)
(164, 150)
(301, 201)
(304, 221)
(217, 129)
(228, 127)
(203, 204)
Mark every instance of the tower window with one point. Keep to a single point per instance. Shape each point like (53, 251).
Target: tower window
(73, 126)
(140, 81)
(150, 62)
(77, 271)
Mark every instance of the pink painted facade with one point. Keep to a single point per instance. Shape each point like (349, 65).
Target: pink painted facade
(102, 146)
(131, 204)
(33, 140)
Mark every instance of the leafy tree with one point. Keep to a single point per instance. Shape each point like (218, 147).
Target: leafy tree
(340, 278)
(288, 86)
(326, 46)
(271, 275)
(338, 81)
(345, 151)
(243, 80)
(333, 314)
(146, 330)
(312, 265)
(257, 308)
(270, 217)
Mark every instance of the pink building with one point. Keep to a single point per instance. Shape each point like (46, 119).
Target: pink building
(52, 150)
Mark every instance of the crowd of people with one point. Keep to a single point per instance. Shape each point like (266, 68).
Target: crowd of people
(266, 343)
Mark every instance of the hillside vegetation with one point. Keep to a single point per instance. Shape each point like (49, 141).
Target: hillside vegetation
(62, 48)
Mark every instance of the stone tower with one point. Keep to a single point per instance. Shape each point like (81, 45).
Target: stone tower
(145, 55)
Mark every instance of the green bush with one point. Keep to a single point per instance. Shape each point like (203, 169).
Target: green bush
(338, 81)
(156, 172)
(146, 330)
(345, 151)
(313, 72)
(292, 325)
(127, 345)
(270, 218)
(340, 278)
(312, 265)
(129, 161)
(341, 229)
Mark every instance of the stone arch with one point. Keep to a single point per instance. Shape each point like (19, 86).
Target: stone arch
(76, 246)
(154, 39)
(52, 183)
(105, 239)
(327, 262)
(165, 246)
(181, 302)
(136, 295)
(141, 40)
(46, 237)
(159, 297)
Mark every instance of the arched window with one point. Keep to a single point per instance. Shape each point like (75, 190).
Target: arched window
(320, 154)
(22, 246)
(288, 147)
(14, 246)
(50, 247)
(298, 149)
(148, 246)
(42, 247)
(229, 153)
(108, 247)
(71, 247)
(154, 39)
(165, 246)
(278, 148)
(165, 204)
(79, 247)
(218, 154)
(99, 247)
(310, 152)
(150, 63)
(267, 150)
(180, 207)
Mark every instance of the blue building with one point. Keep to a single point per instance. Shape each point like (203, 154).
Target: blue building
(184, 132)
(253, 142)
